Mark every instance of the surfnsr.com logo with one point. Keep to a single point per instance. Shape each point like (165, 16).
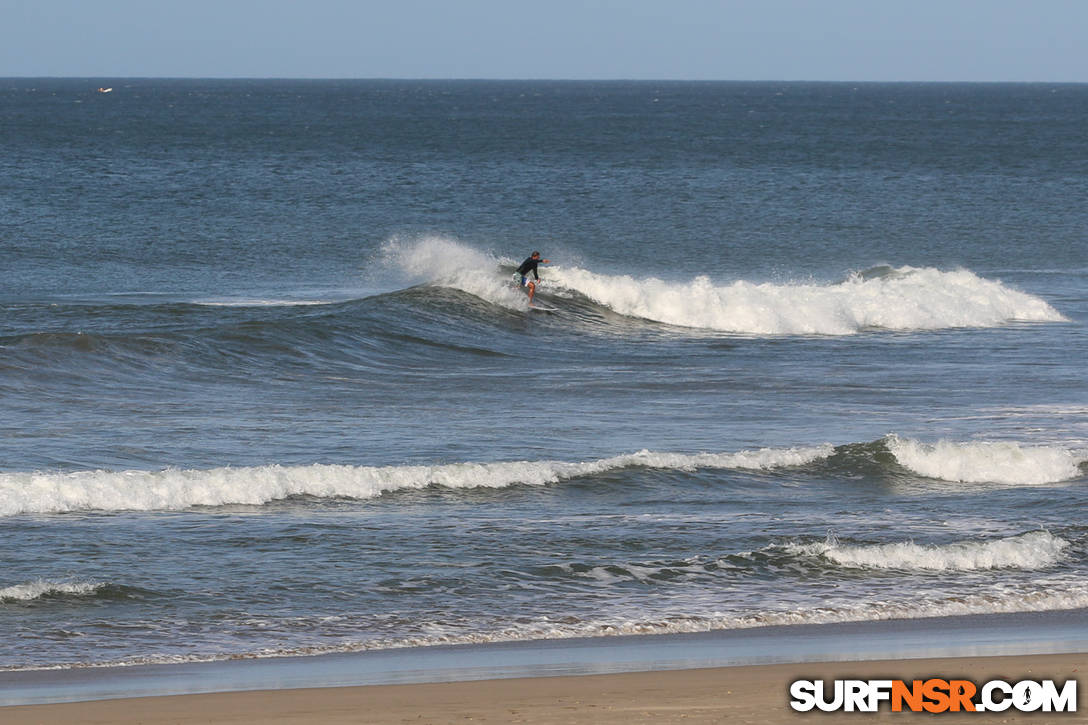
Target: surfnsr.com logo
(933, 695)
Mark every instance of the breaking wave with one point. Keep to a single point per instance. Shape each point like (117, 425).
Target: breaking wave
(909, 299)
(42, 588)
(448, 263)
(999, 462)
(905, 298)
(1033, 550)
(1042, 598)
(178, 489)
(174, 489)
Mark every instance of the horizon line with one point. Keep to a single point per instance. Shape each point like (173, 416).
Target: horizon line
(528, 80)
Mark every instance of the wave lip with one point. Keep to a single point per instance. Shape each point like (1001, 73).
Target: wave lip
(42, 588)
(1033, 550)
(445, 262)
(982, 462)
(904, 298)
(174, 489)
(885, 297)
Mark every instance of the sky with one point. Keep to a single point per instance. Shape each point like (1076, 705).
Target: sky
(819, 40)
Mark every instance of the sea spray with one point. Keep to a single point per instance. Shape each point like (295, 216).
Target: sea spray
(446, 262)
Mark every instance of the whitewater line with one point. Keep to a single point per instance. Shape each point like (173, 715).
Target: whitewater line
(887, 298)
(175, 489)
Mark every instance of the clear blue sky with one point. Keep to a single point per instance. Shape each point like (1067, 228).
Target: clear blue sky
(890, 40)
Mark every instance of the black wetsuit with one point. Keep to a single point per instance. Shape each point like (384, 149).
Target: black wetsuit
(529, 265)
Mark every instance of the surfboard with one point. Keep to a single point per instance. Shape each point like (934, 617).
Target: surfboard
(542, 308)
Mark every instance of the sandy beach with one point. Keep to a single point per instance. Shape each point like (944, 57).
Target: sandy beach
(748, 694)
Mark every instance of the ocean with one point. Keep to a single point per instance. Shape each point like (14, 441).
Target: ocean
(266, 388)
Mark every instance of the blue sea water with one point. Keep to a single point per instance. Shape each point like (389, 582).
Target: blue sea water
(266, 388)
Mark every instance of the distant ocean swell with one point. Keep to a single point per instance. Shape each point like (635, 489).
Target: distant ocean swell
(1006, 463)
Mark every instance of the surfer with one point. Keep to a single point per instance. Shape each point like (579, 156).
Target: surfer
(530, 265)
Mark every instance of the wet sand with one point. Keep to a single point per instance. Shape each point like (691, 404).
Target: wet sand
(743, 694)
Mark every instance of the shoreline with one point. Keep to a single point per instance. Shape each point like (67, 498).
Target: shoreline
(978, 636)
(748, 693)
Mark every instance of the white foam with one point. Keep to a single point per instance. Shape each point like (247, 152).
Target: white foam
(1044, 599)
(447, 263)
(906, 299)
(981, 462)
(175, 489)
(1049, 596)
(41, 588)
(1044, 596)
(1034, 550)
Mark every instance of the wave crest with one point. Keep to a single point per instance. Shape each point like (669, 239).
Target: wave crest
(903, 299)
(174, 489)
(447, 263)
(1033, 550)
(1000, 462)
(891, 298)
(43, 588)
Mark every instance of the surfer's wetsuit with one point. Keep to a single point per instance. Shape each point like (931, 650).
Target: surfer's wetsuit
(529, 265)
